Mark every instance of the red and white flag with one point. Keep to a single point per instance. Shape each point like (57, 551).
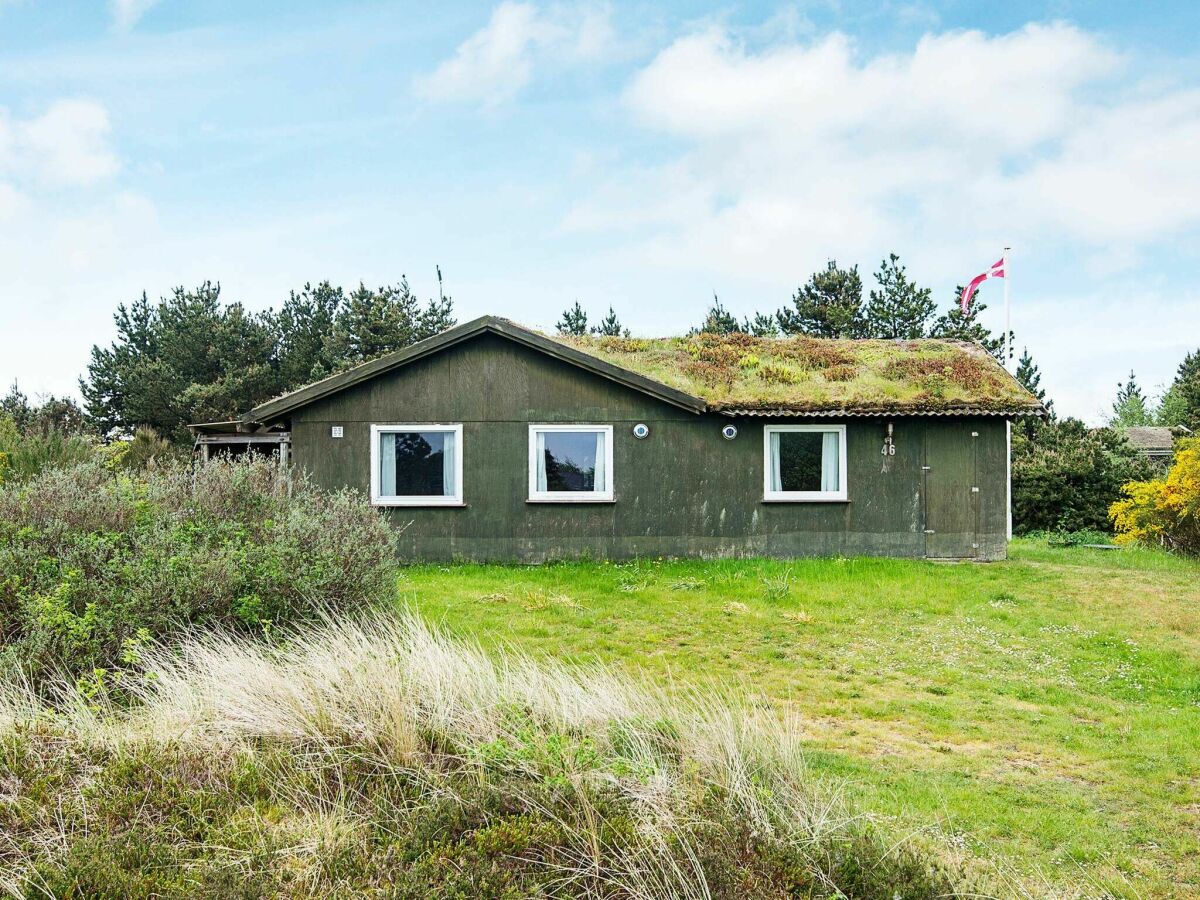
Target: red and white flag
(996, 271)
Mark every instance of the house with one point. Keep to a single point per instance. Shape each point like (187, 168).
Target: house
(1156, 443)
(491, 441)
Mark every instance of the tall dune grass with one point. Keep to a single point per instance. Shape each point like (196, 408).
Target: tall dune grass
(592, 784)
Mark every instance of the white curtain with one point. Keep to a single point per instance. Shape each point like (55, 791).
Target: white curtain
(776, 479)
(540, 460)
(387, 465)
(831, 462)
(448, 467)
(598, 484)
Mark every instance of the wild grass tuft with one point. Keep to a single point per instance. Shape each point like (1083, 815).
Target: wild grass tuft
(342, 746)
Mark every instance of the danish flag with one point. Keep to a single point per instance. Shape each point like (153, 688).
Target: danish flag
(996, 271)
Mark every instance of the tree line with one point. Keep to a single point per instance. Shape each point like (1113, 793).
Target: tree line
(831, 304)
(1179, 404)
(191, 357)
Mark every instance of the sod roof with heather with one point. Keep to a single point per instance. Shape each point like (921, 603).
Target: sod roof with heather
(739, 372)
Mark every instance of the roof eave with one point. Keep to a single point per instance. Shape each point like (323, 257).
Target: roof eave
(880, 412)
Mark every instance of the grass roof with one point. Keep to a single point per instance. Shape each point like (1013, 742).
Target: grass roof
(804, 374)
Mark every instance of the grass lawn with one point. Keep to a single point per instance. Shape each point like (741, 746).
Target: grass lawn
(1043, 710)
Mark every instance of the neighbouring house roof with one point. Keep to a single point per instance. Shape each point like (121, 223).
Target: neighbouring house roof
(1153, 439)
(743, 375)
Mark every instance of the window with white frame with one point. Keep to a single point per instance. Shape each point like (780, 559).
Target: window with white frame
(804, 462)
(570, 463)
(416, 465)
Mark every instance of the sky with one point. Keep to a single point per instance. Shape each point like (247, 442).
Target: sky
(642, 156)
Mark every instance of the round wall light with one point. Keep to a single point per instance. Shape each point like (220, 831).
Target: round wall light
(729, 432)
(641, 430)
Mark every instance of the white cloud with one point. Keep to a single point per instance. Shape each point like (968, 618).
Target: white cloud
(67, 145)
(495, 63)
(802, 151)
(126, 13)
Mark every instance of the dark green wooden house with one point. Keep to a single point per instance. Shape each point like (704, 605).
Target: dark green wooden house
(494, 442)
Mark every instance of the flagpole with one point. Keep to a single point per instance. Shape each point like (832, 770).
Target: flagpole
(1007, 313)
(1007, 422)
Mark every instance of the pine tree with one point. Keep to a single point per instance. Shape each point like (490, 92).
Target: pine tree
(1030, 377)
(305, 329)
(1182, 402)
(574, 321)
(719, 320)
(1130, 408)
(954, 325)
(610, 326)
(898, 309)
(1172, 408)
(188, 358)
(371, 323)
(107, 387)
(762, 325)
(191, 357)
(15, 407)
(829, 305)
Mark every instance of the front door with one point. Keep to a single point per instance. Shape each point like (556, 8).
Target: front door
(951, 500)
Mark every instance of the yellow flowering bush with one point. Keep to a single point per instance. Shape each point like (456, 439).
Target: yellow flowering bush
(1164, 511)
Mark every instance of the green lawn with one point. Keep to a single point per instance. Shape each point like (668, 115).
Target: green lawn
(1043, 710)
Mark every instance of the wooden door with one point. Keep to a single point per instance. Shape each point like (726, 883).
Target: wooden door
(951, 495)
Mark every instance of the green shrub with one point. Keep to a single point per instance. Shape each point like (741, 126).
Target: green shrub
(90, 557)
(26, 453)
(1164, 511)
(144, 450)
(1065, 476)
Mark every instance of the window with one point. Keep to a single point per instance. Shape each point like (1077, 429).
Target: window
(416, 465)
(570, 463)
(804, 462)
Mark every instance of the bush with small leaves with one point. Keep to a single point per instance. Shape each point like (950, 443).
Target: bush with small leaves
(90, 555)
(1065, 476)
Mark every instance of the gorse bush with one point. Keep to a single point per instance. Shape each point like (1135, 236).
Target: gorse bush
(1164, 511)
(93, 560)
(1066, 476)
(372, 756)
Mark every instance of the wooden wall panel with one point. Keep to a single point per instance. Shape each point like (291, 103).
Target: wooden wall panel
(684, 490)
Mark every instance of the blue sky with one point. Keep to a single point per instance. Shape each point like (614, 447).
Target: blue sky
(633, 154)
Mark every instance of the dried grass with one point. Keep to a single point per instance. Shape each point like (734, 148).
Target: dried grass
(434, 710)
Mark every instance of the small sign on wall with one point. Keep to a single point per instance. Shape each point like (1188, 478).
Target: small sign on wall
(335, 431)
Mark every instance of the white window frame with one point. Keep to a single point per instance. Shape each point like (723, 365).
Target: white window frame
(605, 495)
(455, 499)
(839, 496)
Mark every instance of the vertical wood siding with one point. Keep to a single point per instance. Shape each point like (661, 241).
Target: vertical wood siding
(683, 491)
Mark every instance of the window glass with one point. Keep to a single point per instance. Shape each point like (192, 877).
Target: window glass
(570, 461)
(804, 461)
(417, 464)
